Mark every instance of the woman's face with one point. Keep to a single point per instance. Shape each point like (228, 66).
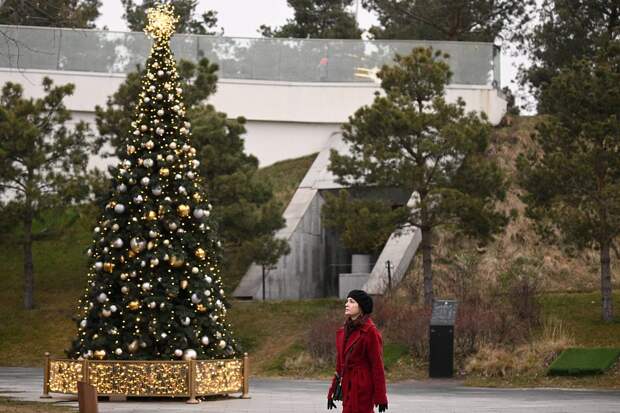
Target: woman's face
(352, 308)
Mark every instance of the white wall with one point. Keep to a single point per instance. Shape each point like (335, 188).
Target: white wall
(285, 119)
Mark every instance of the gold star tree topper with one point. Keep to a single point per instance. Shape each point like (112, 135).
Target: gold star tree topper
(161, 22)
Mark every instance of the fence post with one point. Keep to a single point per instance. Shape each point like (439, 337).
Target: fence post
(192, 382)
(46, 377)
(246, 377)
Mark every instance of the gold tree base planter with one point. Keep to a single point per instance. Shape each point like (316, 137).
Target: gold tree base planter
(149, 378)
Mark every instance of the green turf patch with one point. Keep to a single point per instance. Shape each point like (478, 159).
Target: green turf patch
(583, 361)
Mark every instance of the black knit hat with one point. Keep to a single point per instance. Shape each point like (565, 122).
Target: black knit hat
(363, 299)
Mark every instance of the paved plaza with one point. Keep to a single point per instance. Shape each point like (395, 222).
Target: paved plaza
(308, 396)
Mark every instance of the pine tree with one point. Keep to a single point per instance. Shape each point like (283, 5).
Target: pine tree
(411, 138)
(52, 13)
(317, 19)
(154, 288)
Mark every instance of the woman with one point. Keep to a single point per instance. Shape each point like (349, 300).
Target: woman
(359, 359)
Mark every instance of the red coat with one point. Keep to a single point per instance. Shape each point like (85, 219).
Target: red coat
(360, 365)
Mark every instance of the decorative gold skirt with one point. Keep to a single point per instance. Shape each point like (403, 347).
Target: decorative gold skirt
(148, 378)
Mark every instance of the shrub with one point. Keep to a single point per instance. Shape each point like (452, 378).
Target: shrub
(320, 339)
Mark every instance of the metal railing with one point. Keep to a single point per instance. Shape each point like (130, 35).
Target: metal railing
(295, 60)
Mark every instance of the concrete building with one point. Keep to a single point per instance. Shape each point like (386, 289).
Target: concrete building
(294, 93)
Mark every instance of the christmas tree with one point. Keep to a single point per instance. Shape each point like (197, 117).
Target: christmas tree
(154, 287)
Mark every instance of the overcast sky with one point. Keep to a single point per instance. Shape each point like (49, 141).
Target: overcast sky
(241, 18)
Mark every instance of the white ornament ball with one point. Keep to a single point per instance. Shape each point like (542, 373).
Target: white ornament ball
(196, 298)
(152, 234)
(143, 128)
(159, 96)
(157, 191)
(195, 270)
(178, 352)
(89, 252)
(159, 131)
(195, 163)
(119, 208)
(190, 175)
(154, 262)
(102, 297)
(117, 243)
(125, 289)
(160, 112)
(160, 73)
(182, 189)
(147, 99)
(204, 340)
(222, 344)
(164, 335)
(106, 313)
(148, 163)
(198, 213)
(170, 158)
(146, 286)
(185, 321)
(207, 293)
(118, 351)
(208, 279)
(172, 226)
(152, 304)
(83, 323)
(115, 227)
(138, 199)
(190, 354)
(121, 188)
(145, 181)
(113, 308)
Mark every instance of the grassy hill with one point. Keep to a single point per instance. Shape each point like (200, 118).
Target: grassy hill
(275, 333)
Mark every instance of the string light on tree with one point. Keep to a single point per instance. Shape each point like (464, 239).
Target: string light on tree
(153, 249)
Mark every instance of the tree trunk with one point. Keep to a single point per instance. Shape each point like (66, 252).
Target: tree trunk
(28, 265)
(606, 290)
(427, 261)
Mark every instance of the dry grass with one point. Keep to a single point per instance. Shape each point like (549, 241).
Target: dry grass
(530, 359)
(560, 268)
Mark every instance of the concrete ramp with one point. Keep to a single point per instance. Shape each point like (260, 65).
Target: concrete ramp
(399, 251)
(301, 273)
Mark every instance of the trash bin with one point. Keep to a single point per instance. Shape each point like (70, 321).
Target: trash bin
(441, 340)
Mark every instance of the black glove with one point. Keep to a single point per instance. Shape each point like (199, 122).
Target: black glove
(382, 407)
(330, 404)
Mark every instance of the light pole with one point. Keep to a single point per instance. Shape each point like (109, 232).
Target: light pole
(388, 265)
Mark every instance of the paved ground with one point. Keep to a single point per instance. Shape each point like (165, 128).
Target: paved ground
(308, 396)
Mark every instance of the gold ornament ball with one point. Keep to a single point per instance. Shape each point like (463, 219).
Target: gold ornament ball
(184, 284)
(201, 308)
(176, 261)
(200, 254)
(100, 354)
(164, 171)
(133, 305)
(151, 216)
(108, 266)
(183, 210)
